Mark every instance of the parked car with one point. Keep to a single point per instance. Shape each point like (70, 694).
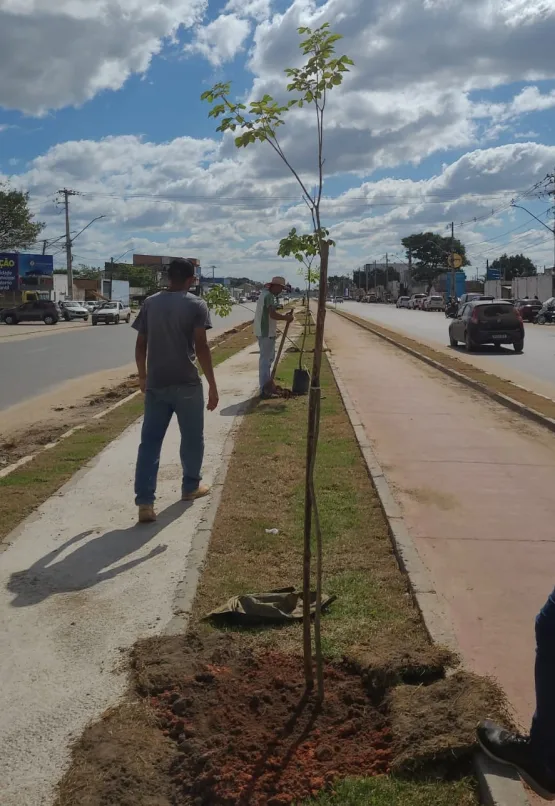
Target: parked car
(73, 310)
(434, 302)
(529, 308)
(415, 301)
(41, 310)
(338, 299)
(112, 313)
(487, 322)
(92, 306)
(403, 302)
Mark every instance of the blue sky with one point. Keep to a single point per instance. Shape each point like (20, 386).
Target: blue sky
(436, 128)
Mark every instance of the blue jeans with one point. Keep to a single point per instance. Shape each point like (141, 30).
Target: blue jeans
(542, 733)
(187, 402)
(267, 355)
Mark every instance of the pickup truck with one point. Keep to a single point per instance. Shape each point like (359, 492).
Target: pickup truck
(111, 313)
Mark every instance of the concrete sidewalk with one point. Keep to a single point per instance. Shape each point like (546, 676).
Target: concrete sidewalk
(475, 486)
(81, 582)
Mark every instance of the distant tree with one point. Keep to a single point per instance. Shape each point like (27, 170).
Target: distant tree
(17, 228)
(82, 271)
(85, 272)
(430, 252)
(375, 278)
(511, 266)
(238, 282)
(136, 276)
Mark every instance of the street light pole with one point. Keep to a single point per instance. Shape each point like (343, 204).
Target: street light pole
(66, 194)
(69, 240)
(453, 270)
(551, 193)
(552, 231)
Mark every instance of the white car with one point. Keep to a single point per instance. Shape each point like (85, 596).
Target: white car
(434, 302)
(112, 313)
(403, 302)
(416, 301)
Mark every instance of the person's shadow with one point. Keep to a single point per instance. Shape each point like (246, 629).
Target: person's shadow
(244, 407)
(90, 562)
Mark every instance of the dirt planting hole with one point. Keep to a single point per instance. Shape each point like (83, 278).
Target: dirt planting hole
(219, 724)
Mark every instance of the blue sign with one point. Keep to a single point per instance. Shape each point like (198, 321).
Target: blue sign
(35, 266)
(8, 272)
(460, 284)
(493, 274)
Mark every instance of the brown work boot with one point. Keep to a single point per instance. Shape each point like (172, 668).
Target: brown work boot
(147, 513)
(200, 492)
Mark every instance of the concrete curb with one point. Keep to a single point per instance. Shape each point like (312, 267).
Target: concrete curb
(499, 785)
(504, 400)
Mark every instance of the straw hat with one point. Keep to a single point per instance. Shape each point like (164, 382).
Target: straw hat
(277, 281)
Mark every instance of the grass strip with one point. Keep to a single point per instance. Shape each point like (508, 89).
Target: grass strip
(26, 488)
(393, 792)
(264, 489)
(531, 400)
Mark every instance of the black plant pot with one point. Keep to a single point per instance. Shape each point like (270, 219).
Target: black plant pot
(301, 382)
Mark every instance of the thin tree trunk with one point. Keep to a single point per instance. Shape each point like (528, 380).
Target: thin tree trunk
(319, 567)
(307, 631)
(306, 326)
(312, 445)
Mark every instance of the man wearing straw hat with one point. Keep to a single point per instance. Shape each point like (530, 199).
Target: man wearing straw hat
(265, 320)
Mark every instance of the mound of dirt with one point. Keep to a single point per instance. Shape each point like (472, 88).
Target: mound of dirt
(436, 724)
(121, 760)
(388, 663)
(223, 725)
(245, 731)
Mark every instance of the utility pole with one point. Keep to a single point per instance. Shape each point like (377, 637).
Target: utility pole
(375, 276)
(453, 269)
(66, 194)
(366, 270)
(44, 245)
(409, 284)
(111, 276)
(551, 192)
(386, 272)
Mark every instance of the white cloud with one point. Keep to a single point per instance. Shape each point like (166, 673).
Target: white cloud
(54, 54)
(186, 197)
(257, 9)
(408, 98)
(530, 99)
(220, 41)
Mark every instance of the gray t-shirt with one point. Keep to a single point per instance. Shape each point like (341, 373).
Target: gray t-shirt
(168, 320)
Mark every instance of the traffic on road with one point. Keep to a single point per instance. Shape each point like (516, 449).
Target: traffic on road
(535, 356)
(50, 358)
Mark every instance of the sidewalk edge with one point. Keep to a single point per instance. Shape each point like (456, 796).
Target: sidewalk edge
(499, 786)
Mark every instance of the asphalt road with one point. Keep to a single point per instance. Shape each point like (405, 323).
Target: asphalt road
(37, 364)
(537, 361)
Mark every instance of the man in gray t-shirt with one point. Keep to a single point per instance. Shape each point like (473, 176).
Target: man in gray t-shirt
(171, 329)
